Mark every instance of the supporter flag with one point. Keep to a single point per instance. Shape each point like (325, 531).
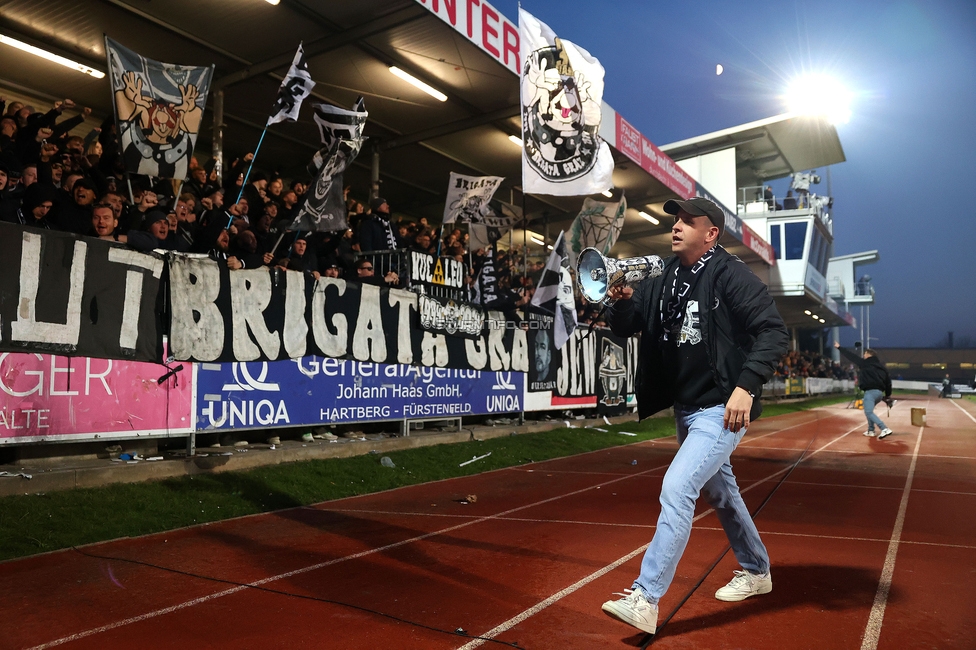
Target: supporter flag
(488, 280)
(596, 226)
(555, 292)
(294, 89)
(468, 197)
(158, 111)
(499, 220)
(562, 96)
(342, 138)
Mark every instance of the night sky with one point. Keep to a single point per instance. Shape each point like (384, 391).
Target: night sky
(907, 188)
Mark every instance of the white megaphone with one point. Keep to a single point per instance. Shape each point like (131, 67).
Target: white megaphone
(596, 274)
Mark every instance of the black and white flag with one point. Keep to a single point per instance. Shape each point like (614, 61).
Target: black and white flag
(294, 89)
(499, 219)
(158, 110)
(342, 138)
(562, 96)
(488, 280)
(468, 197)
(555, 292)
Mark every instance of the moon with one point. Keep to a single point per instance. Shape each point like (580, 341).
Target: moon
(719, 69)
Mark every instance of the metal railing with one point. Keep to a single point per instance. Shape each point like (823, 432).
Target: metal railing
(398, 261)
(863, 288)
(752, 200)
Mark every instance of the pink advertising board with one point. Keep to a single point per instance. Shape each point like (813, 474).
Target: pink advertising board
(658, 164)
(46, 398)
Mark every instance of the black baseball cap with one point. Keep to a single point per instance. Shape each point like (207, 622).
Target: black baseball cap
(152, 217)
(699, 207)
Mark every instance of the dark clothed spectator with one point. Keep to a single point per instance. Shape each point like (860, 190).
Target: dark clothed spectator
(375, 232)
(154, 235)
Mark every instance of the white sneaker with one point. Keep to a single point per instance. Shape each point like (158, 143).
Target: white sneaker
(633, 609)
(869, 434)
(745, 584)
(884, 432)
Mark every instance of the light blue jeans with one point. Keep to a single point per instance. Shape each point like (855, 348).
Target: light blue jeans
(872, 397)
(702, 463)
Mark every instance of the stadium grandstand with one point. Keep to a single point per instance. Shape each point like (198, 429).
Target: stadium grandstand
(442, 93)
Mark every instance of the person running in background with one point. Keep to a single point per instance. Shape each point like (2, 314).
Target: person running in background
(874, 380)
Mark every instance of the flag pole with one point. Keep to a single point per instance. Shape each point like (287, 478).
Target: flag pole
(251, 166)
(248, 173)
(525, 244)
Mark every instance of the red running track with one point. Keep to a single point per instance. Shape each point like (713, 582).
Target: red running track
(872, 543)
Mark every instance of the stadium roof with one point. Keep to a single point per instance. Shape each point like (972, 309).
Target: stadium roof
(770, 148)
(350, 47)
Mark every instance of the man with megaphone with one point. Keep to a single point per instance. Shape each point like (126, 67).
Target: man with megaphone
(710, 338)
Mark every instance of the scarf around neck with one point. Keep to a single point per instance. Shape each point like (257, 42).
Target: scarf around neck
(674, 298)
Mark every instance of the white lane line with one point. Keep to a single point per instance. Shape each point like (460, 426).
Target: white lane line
(610, 524)
(968, 414)
(872, 632)
(320, 565)
(811, 421)
(882, 487)
(844, 538)
(538, 607)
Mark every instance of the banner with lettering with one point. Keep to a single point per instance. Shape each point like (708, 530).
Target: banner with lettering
(269, 314)
(318, 391)
(77, 296)
(46, 398)
(468, 197)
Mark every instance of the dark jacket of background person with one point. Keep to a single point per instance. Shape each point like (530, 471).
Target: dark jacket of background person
(372, 234)
(744, 333)
(871, 373)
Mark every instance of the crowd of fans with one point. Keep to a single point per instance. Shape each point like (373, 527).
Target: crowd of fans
(54, 180)
(812, 364)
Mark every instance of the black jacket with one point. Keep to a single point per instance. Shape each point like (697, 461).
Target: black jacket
(871, 373)
(372, 234)
(744, 333)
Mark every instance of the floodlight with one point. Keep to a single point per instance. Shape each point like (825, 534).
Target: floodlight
(607, 193)
(50, 56)
(515, 139)
(819, 94)
(537, 240)
(648, 217)
(413, 81)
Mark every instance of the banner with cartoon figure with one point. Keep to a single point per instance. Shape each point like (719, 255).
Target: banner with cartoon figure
(158, 111)
(561, 94)
(342, 136)
(468, 197)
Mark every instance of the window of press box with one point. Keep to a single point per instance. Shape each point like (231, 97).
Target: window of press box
(774, 240)
(795, 236)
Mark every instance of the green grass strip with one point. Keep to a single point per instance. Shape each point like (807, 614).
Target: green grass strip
(36, 523)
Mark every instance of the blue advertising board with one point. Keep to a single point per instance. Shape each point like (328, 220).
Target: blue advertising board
(323, 391)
